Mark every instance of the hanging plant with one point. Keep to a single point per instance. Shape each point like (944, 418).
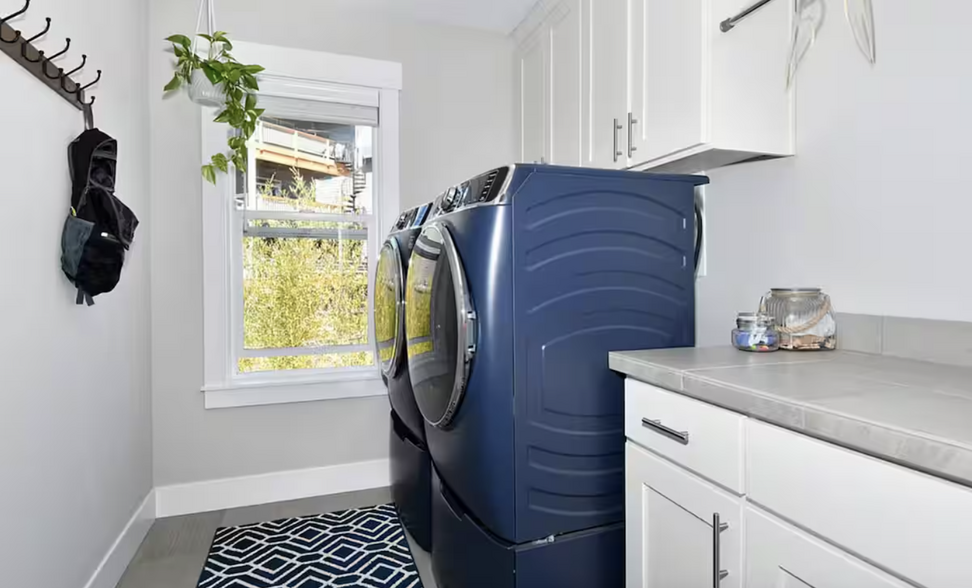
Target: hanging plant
(219, 80)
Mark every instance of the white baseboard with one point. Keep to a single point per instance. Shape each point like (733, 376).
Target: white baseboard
(113, 565)
(182, 499)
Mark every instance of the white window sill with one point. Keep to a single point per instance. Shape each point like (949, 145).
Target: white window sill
(239, 394)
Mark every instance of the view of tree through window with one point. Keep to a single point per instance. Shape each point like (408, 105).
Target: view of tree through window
(306, 246)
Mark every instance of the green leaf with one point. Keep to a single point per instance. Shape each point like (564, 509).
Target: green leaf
(259, 112)
(180, 40)
(221, 163)
(250, 82)
(251, 101)
(253, 69)
(222, 117)
(173, 84)
(209, 173)
(213, 75)
(205, 36)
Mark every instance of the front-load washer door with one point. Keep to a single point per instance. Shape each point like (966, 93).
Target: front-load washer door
(389, 309)
(440, 325)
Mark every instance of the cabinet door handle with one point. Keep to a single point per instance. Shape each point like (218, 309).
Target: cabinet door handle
(657, 426)
(617, 149)
(632, 121)
(718, 574)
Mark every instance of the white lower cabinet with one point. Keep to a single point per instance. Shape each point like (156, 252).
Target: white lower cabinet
(680, 529)
(781, 556)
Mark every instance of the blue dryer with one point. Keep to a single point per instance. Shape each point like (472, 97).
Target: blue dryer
(520, 284)
(411, 469)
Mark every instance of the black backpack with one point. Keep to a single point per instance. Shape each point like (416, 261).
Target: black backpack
(100, 227)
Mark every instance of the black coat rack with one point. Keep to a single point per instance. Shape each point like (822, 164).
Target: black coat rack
(23, 51)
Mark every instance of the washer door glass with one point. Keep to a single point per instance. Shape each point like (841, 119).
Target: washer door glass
(440, 325)
(389, 300)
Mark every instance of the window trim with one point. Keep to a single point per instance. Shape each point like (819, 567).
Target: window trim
(305, 75)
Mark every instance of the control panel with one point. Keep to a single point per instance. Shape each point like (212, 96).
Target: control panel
(479, 190)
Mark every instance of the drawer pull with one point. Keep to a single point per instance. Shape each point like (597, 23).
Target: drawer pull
(657, 426)
(718, 574)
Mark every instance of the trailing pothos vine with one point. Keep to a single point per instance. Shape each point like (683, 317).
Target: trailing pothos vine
(238, 84)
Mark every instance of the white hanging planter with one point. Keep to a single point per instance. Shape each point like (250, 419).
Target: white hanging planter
(205, 93)
(202, 91)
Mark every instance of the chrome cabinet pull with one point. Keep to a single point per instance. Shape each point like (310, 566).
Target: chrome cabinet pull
(632, 121)
(718, 574)
(657, 426)
(617, 149)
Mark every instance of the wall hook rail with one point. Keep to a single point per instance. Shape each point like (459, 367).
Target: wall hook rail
(4, 20)
(23, 51)
(47, 60)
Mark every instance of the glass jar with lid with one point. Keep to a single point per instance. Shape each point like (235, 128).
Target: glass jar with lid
(755, 332)
(805, 318)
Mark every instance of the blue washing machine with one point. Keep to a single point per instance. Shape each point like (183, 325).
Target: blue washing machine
(411, 469)
(519, 285)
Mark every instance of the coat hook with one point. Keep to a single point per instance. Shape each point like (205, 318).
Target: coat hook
(55, 56)
(80, 91)
(67, 76)
(27, 42)
(14, 15)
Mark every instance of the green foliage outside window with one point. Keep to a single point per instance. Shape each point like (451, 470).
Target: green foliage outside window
(304, 292)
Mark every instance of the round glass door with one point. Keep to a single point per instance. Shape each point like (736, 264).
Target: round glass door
(389, 300)
(440, 324)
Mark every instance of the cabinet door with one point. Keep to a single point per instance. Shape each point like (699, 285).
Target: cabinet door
(667, 72)
(605, 82)
(780, 556)
(671, 541)
(565, 84)
(531, 63)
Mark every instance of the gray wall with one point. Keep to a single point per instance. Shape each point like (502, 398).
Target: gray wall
(456, 112)
(875, 206)
(75, 422)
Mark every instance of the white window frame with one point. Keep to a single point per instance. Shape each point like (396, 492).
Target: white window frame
(307, 75)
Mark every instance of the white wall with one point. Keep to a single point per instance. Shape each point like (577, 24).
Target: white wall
(875, 206)
(456, 113)
(75, 423)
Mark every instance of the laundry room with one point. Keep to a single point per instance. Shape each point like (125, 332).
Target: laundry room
(468, 294)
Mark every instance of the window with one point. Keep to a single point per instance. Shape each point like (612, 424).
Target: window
(291, 244)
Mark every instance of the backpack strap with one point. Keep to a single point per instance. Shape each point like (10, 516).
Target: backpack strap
(84, 297)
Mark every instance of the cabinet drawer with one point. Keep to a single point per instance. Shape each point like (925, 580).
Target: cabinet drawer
(698, 436)
(917, 526)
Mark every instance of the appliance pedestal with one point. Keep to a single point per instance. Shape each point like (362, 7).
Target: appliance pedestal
(411, 477)
(467, 556)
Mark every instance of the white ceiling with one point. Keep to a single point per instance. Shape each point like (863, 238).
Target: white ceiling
(500, 16)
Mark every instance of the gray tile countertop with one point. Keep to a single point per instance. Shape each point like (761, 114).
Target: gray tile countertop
(914, 413)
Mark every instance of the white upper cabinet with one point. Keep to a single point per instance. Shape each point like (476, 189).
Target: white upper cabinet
(531, 68)
(667, 85)
(565, 84)
(605, 78)
(655, 84)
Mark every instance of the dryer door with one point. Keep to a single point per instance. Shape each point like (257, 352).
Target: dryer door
(441, 325)
(389, 309)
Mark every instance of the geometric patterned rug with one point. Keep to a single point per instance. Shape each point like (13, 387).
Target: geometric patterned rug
(362, 547)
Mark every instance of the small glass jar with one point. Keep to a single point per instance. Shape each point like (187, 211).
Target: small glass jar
(755, 332)
(805, 318)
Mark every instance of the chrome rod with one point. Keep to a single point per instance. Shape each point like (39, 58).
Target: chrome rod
(632, 121)
(728, 24)
(718, 574)
(657, 426)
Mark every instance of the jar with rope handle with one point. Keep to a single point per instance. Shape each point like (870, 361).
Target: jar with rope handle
(805, 318)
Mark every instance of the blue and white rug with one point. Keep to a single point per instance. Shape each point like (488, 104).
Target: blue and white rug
(363, 547)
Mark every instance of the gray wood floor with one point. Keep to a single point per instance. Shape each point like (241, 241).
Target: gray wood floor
(175, 549)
